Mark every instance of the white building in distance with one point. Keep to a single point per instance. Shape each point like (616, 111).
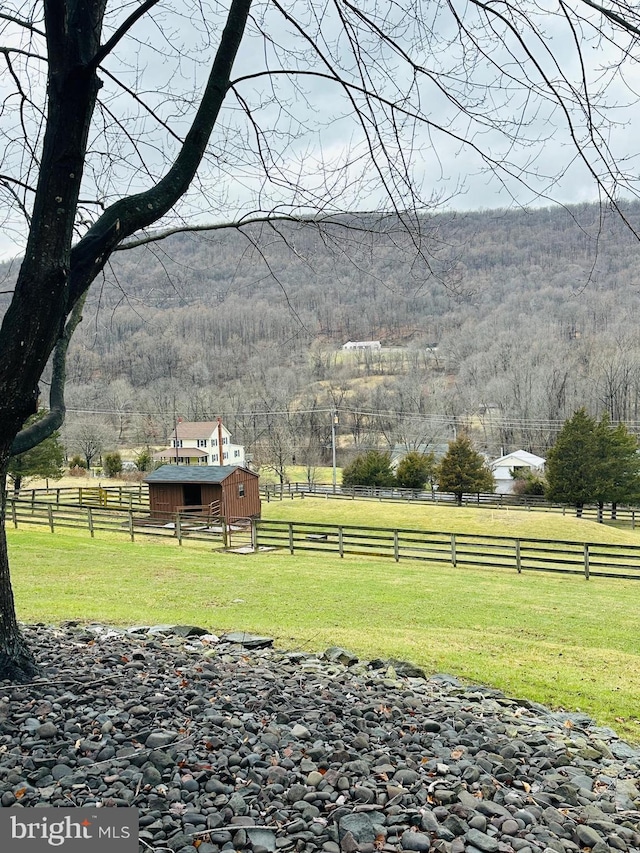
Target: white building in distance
(519, 460)
(362, 345)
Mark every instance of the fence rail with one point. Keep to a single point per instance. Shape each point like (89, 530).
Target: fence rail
(589, 559)
(455, 549)
(628, 516)
(135, 497)
(132, 523)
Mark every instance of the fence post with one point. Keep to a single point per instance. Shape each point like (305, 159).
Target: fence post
(453, 550)
(57, 497)
(254, 535)
(396, 548)
(586, 561)
(340, 541)
(178, 529)
(290, 538)
(50, 513)
(80, 495)
(90, 521)
(14, 514)
(633, 519)
(226, 532)
(131, 533)
(518, 562)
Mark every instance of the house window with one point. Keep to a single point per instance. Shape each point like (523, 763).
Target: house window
(177, 442)
(214, 442)
(215, 457)
(236, 453)
(240, 490)
(225, 455)
(225, 440)
(201, 442)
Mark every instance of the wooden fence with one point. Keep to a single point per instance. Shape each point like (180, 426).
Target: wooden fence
(135, 498)
(623, 516)
(454, 549)
(131, 523)
(589, 559)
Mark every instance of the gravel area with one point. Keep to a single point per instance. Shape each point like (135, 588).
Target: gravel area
(225, 743)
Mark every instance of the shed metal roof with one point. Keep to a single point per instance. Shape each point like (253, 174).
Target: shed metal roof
(194, 473)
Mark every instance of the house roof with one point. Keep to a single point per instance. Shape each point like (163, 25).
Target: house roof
(182, 452)
(197, 429)
(194, 473)
(522, 457)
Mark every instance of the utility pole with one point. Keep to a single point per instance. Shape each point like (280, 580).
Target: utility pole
(175, 428)
(334, 423)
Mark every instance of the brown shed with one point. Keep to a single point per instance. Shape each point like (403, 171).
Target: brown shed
(181, 488)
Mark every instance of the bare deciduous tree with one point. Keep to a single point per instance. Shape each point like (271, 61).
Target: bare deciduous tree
(95, 153)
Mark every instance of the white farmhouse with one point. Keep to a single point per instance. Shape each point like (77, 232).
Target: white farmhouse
(362, 345)
(519, 460)
(202, 443)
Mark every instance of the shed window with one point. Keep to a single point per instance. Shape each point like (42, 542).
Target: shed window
(240, 490)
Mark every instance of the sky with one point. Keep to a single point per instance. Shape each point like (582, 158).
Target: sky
(316, 153)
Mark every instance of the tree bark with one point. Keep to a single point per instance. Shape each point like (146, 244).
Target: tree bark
(17, 662)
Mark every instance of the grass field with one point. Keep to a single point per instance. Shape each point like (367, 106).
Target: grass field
(557, 640)
(449, 519)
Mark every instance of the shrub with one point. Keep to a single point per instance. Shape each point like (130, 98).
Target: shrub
(370, 469)
(113, 464)
(415, 470)
(144, 461)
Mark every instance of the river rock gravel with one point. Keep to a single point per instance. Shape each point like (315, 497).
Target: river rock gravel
(225, 743)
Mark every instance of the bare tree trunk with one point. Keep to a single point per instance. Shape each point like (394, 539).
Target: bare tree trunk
(16, 660)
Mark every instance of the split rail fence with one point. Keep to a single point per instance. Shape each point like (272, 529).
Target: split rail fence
(91, 513)
(94, 517)
(454, 549)
(621, 516)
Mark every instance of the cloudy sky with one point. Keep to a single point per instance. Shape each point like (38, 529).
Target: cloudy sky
(485, 115)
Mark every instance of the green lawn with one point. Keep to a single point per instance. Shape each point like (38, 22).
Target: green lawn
(449, 519)
(558, 640)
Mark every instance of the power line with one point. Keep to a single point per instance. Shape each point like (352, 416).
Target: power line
(473, 419)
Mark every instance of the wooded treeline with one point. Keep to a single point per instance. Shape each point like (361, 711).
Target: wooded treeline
(508, 322)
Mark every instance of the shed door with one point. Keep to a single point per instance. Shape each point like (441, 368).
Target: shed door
(192, 494)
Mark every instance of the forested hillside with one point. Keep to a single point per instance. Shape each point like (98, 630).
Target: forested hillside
(506, 322)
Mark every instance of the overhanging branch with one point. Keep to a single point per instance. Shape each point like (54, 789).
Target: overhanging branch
(38, 431)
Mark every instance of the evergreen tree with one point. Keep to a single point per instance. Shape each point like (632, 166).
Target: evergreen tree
(113, 464)
(619, 480)
(144, 461)
(369, 469)
(463, 470)
(415, 470)
(575, 464)
(44, 460)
